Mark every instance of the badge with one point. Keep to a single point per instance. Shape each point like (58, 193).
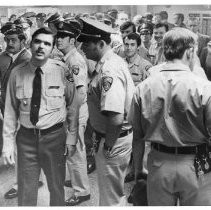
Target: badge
(75, 69)
(107, 82)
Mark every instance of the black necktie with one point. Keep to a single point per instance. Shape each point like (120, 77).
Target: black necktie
(36, 97)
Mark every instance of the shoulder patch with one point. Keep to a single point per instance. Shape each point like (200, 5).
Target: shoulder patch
(107, 82)
(69, 76)
(75, 69)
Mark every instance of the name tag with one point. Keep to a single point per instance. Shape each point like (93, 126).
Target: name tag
(53, 87)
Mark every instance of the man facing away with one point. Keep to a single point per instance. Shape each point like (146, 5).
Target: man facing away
(172, 111)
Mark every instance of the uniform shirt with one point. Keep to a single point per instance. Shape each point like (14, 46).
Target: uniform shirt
(57, 94)
(197, 70)
(77, 65)
(110, 90)
(156, 53)
(173, 107)
(138, 69)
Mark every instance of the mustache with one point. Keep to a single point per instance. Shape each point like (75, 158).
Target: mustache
(40, 51)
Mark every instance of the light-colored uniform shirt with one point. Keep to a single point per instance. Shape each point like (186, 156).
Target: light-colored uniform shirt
(138, 69)
(197, 70)
(173, 107)
(58, 99)
(110, 90)
(77, 65)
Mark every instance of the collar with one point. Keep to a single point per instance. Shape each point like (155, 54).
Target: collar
(33, 67)
(105, 57)
(169, 66)
(136, 61)
(71, 52)
(17, 54)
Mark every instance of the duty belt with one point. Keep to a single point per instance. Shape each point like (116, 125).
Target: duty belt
(179, 150)
(121, 135)
(43, 131)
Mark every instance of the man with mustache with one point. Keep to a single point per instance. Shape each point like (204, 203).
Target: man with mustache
(156, 49)
(41, 97)
(14, 54)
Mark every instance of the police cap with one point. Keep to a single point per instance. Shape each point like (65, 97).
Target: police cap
(69, 28)
(145, 28)
(11, 28)
(94, 30)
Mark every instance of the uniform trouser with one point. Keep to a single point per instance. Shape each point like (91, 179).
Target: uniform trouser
(173, 177)
(15, 185)
(77, 164)
(36, 152)
(112, 171)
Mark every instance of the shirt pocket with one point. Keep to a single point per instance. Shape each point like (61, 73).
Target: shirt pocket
(24, 96)
(55, 95)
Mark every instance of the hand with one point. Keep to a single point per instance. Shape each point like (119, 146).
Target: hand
(71, 149)
(8, 156)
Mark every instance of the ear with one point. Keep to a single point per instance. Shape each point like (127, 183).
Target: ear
(101, 43)
(72, 41)
(189, 52)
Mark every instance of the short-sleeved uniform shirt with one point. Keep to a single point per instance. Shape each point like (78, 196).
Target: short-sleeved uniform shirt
(57, 93)
(78, 68)
(110, 90)
(173, 107)
(139, 69)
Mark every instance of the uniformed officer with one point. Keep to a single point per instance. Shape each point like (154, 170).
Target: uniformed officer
(77, 165)
(41, 96)
(53, 22)
(145, 30)
(109, 99)
(14, 54)
(125, 29)
(137, 65)
(172, 110)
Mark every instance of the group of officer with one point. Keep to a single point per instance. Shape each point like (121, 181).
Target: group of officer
(47, 98)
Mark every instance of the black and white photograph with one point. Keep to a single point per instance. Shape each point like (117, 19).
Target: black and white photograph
(105, 104)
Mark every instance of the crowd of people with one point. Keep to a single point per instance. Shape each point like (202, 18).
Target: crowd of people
(131, 94)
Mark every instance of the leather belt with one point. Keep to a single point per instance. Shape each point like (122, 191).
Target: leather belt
(179, 150)
(43, 131)
(121, 135)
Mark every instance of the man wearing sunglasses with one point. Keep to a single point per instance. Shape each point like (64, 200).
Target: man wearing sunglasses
(145, 30)
(67, 34)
